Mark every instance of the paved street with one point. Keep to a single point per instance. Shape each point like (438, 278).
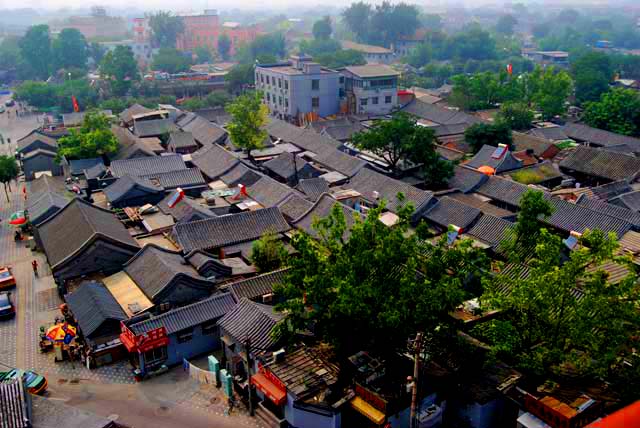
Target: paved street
(170, 400)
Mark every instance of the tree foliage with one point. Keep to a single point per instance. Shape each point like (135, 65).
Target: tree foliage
(248, 118)
(93, 139)
(322, 28)
(268, 253)
(592, 73)
(203, 54)
(8, 172)
(120, 69)
(239, 76)
(224, 46)
(10, 54)
(517, 115)
(273, 44)
(165, 27)
(171, 61)
(362, 275)
(618, 111)
(506, 24)
(383, 25)
(97, 52)
(70, 49)
(35, 49)
(549, 91)
(491, 134)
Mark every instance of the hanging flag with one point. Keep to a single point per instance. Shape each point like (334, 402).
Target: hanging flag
(510, 69)
(24, 192)
(74, 100)
(177, 197)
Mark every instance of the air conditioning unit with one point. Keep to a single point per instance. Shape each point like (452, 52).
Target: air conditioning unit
(267, 298)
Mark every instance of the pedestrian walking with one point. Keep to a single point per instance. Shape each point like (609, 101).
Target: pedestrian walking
(34, 265)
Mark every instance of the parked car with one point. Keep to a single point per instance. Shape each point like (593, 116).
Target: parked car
(7, 310)
(7, 280)
(35, 383)
(10, 103)
(2, 110)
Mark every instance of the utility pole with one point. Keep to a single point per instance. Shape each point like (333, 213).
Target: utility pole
(417, 350)
(295, 168)
(247, 348)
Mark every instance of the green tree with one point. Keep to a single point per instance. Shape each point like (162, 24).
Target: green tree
(194, 103)
(618, 111)
(93, 139)
(544, 328)
(97, 52)
(240, 76)
(364, 276)
(341, 58)
(481, 134)
(357, 17)
(166, 27)
(8, 172)
(506, 24)
(120, 69)
(217, 99)
(70, 49)
(224, 46)
(322, 28)
(268, 253)
(534, 207)
(432, 21)
(36, 94)
(248, 118)
(592, 73)
(10, 55)
(389, 22)
(517, 115)
(35, 49)
(86, 95)
(549, 91)
(170, 60)
(420, 56)
(203, 54)
(317, 47)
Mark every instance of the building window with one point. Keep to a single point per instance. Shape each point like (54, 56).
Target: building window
(268, 97)
(374, 100)
(364, 101)
(315, 102)
(267, 80)
(286, 84)
(185, 335)
(315, 84)
(210, 328)
(155, 356)
(279, 82)
(279, 100)
(286, 102)
(341, 79)
(387, 99)
(262, 78)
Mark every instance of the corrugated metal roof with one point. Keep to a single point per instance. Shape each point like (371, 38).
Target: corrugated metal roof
(14, 412)
(602, 163)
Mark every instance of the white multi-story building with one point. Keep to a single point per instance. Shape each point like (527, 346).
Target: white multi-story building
(370, 89)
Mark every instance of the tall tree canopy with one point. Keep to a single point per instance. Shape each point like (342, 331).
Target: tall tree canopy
(592, 73)
(203, 54)
(248, 118)
(506, 24)
(322, 28)
(120, 68)
(171, 60)
(165, 27)
(357, 286)
(8, 172)
(93, 139)
(517, 115)
(70, 49)
(35, 48)
(490, 134)
(617, 110)
(224, 46)
(357, 17)
(385, 24)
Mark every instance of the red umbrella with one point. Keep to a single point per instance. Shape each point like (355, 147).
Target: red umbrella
(18, 218)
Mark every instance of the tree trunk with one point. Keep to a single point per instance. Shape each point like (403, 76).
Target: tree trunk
(6, 192)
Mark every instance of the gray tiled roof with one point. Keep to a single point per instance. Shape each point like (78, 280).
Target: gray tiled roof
(612, 210)
(181, 140)
(38, 152)
(45, 206)
(121, 188)
(450, 211)
(294, 206)
(147, 165)
(188, 316)
(185, 210)
(95, 171)
(313, 187)
(205, 132)
(503, 190)
(602, 163)
(92, 304)
(279, 129)
(451, 129)
(321, 209)
(570, 217)
(154, 268)
(14, 410)
(133, 110)
(490, 230)
(630, 200)
(185, 178)
(77, 224)
(485, 157)
(130, 145)
(306, 139)
(370, 70)
(338, 161)
(611, 190)
(551, 133)
(153, 128)
(439, 115)
(253, 321)
(33, 137)
(240, 174)
(202, 262)
(229, 229)
(523, 141)
(214, 161)
(367, 181)
(269, 192)
(466, 179)
(256, 287)
(283, 165)
(77, 166)
(600, 137)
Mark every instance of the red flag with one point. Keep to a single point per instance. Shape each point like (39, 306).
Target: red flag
(176, 197)
(510, 69)
(74, 100)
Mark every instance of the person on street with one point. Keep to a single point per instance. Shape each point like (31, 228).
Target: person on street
(34, 265)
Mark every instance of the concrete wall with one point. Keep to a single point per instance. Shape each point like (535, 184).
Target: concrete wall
(38, 164)
(483, 415)
(302, 416)
(376, 109)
